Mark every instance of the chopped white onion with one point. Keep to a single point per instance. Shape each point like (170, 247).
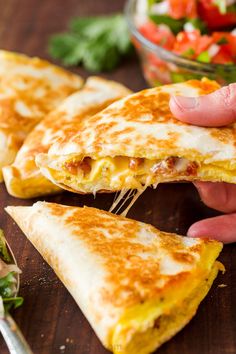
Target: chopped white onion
(189, 27)
(213, 50)
(161, 9)
(141, 12)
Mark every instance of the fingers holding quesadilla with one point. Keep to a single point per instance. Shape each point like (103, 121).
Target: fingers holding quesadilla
(219, 196)
(137, 142)
(214, 110)
(221, 228)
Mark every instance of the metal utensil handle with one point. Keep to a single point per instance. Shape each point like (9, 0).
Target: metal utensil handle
(15, 341)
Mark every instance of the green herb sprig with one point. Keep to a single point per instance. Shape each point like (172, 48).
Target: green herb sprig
(8, 283)
(98, 42)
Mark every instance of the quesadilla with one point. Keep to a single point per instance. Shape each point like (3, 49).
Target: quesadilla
(29, 89)
(136, 285)
(136, 142)
(23, 178)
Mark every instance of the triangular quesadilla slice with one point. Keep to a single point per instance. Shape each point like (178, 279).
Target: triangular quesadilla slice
(136, 142)
(136, 285)
(23, 178)
(29, 89)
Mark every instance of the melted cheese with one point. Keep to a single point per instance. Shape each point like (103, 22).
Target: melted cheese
(115, 174)
(158, 278)
(145, 327)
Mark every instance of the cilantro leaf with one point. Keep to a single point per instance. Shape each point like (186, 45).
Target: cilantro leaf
(175, 25)
(67, 47)
(198, 24)
(222, 41)
(152, 2)
(4, 254)
(204, 57)
(8, 283)
(12, 302)
(97, 59)
(97, 42)
(189, 53)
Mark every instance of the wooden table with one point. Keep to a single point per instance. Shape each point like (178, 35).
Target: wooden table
(49, 318)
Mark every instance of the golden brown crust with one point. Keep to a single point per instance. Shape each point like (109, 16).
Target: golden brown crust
(131, 127)
(29, 89)
(132, 267)
(122, 273)
(22, 177)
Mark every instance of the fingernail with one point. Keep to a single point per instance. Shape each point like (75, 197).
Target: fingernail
(186, 103)
(192, 233)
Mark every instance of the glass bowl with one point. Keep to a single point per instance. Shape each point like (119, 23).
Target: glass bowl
(161, 66)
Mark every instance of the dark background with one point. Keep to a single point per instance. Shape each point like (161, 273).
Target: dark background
(50, 319)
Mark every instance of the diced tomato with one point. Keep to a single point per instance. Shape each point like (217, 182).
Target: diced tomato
(160, 35)
(209, 12)
(230, 46)
(191, 40)
(222, 57)
(182, 8)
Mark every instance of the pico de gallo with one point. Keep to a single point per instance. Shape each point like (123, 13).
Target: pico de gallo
(201, 30)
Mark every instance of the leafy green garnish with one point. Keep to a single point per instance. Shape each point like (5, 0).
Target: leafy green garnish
(184, 76)
(204, 57)
(175, 25)
(98, 43)
(222, 40)
(198, 24)
(8, 291)
(152, 2)
(4, 254)
(12, 302)
(188, 53)
(8, 284)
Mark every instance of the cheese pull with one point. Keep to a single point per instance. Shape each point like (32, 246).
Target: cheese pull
(136, 142)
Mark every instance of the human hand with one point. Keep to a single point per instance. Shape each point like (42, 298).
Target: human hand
(213, 110)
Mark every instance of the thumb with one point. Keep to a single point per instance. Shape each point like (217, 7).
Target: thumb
(221, 228)
(213, 110)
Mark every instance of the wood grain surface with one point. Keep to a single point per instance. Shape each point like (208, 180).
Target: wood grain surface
(50, 319)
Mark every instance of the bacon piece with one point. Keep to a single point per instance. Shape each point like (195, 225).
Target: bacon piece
(74, 166)
(169, 166)
(192, 169)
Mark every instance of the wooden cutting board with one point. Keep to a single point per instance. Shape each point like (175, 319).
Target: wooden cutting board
(50, 319)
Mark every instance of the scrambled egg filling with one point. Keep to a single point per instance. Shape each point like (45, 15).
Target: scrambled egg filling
(115, 173)
(132, 337)
(144, 327)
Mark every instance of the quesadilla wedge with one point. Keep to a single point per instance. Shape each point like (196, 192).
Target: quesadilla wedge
(23, 178)
(136, 285)
(136, 142)
(29, 89)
